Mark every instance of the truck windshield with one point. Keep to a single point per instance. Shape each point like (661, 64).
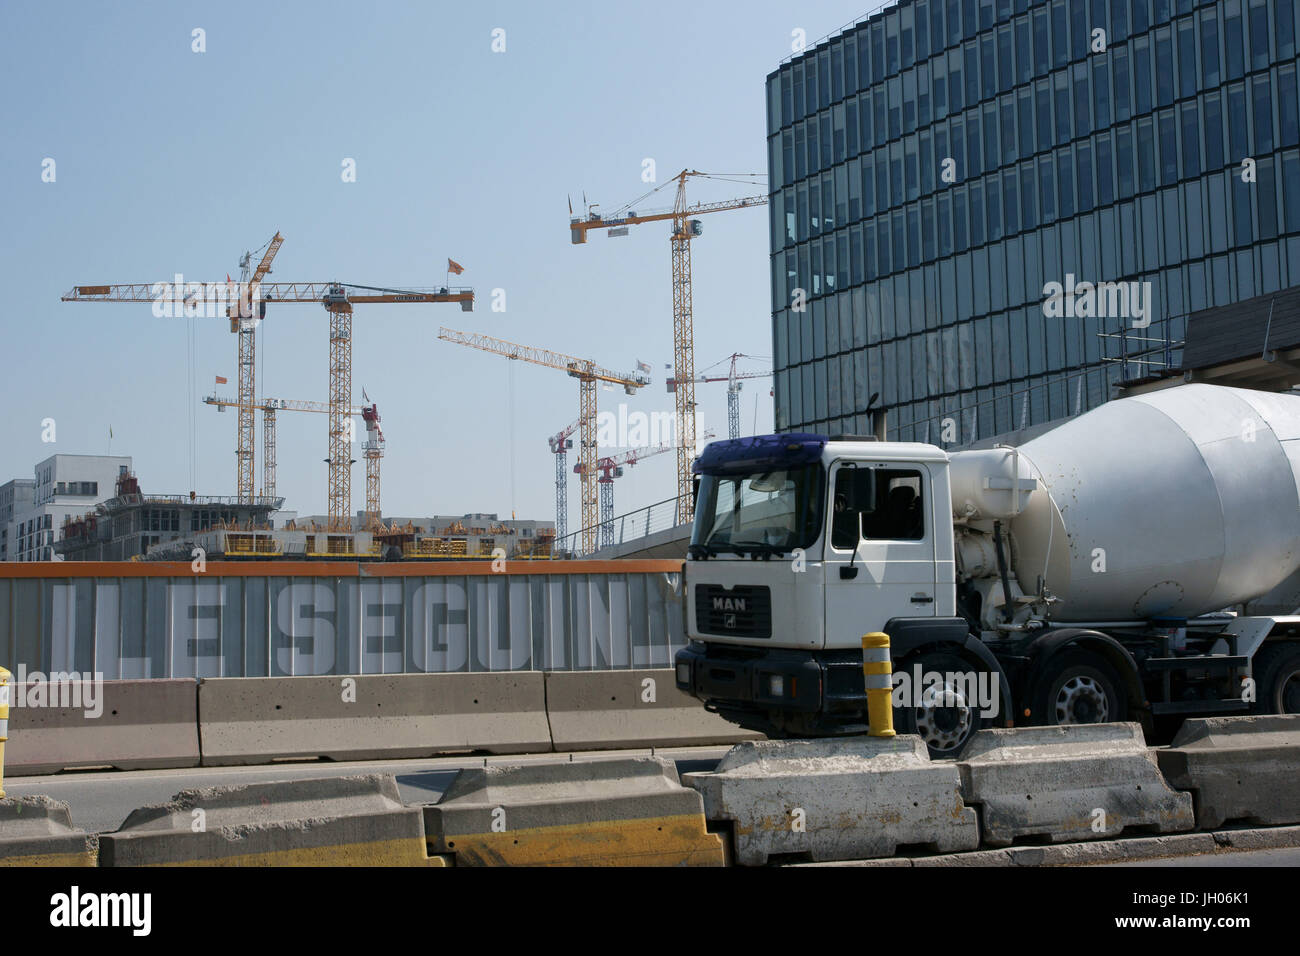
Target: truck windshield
(772, 512)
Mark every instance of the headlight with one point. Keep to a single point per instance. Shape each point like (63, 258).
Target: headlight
(684, 673)
(776, 683)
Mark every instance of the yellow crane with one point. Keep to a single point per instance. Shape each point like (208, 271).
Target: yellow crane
(338, 299)
(684, 229)
(243, 322)
(588, 374)
(373, 450)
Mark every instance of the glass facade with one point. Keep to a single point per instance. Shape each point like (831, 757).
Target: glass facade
(938, 164)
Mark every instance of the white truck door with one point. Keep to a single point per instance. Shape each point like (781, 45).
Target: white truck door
(880, 553)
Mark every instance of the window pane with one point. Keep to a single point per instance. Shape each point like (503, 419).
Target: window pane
(1191, 141)
(1213, 114)
(1263, 96)
(1187, 57)
(1164, 67)
(1210, 48)
(1288, 113)
(1124, 161)
(1168, 149)
(1237, 145)
(1234, 55)
(1259, 33)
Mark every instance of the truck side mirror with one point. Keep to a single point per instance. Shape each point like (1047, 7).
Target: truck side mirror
(849, 572)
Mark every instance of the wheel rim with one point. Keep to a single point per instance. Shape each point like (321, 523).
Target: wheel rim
(1082, 700)
(1288, 693)
(944, 719)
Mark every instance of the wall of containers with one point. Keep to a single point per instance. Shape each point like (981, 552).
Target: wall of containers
(263, 625)
(1122, 165)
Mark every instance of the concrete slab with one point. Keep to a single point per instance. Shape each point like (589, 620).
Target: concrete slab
(133, 725)
(38, 831)
(638, 708)
(623, 812)
(1081, 782)
(248, 720)
(1237, 768)
(344, 821)
(836, 799)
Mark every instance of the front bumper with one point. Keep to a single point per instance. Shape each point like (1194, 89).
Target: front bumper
(732, 678)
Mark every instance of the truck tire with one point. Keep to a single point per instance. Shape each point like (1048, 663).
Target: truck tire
(946, 720)
(1078, 687)
(1277, 678)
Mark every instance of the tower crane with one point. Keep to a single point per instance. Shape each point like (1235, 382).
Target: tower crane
(684, 229)
(374, 447)
(560, 444)
(588, 374)
(733, 380)
(338, 299)
(609, 468)
(243, 322)
(373, 452)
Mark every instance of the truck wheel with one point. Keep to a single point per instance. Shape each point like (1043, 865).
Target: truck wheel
(945, 718)
(1078, 687)
(1277, 679)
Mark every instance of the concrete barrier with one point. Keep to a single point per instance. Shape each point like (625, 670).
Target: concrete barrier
(257, 719)
(1079, 782)
(343, 821)
(1237, 768)
(597, 710)
(849, 798)
(38, 831)
(623, 812)
(132, 725)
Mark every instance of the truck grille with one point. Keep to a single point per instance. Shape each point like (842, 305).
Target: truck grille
(742, 611)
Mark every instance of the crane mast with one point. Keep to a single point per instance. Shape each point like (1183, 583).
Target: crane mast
(588, 374)
(684, 228)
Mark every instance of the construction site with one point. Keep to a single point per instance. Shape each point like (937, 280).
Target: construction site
(970, 537)
(245, 529)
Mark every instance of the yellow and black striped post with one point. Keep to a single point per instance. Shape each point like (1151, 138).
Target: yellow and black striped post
(877, 672)
(4, 724)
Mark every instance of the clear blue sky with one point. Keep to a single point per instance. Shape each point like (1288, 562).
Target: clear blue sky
(173, 161)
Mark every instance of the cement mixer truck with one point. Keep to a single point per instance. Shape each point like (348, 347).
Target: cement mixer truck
(1096, 573)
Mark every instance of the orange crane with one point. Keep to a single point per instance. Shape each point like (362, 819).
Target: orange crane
(374, 447)
(338, 299)
(560, 444)
(733, 380)
(684, 229)
(588, 374)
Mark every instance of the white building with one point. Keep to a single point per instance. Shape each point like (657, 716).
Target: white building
(65, 486)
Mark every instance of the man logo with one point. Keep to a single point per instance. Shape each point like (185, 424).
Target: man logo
(729, 604)
(729, 621)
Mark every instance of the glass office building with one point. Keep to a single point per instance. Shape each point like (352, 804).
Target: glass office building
(935, 165)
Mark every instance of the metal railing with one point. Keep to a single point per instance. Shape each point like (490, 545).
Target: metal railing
(632, 526)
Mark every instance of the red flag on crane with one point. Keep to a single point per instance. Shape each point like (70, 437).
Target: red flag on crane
(454, 267)
(221, 380)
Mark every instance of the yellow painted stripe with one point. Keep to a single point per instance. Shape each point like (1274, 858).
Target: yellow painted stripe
(51, 859)
(651, 841)
(880, 667)
(404, 852)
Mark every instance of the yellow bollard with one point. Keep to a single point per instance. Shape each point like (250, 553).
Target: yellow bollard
(4, 724)
(877, 672)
